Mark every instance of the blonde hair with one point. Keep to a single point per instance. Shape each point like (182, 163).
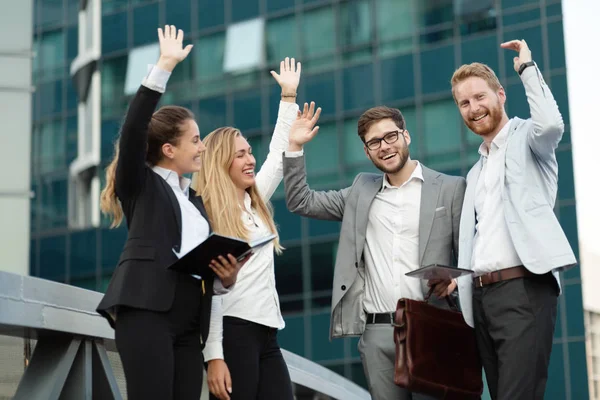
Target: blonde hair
(477, 70)
(164, 127)
(218, 191)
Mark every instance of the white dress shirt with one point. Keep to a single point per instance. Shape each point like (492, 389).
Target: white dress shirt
(254, 297)
(493, 248)
(392, 245)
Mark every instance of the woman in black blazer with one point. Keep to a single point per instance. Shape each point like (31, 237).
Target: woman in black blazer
(160, 317)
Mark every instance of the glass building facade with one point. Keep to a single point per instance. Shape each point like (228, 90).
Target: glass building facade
(355, 54)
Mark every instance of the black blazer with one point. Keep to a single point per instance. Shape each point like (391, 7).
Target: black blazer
(153, 215)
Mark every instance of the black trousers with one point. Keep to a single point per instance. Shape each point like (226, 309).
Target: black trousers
(258, 370)
(514, 326)
(161, 351)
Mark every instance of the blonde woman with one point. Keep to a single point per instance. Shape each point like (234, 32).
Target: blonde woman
(244, 358)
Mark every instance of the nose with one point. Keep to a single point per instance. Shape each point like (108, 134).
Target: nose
(201, 146)
(384, 145)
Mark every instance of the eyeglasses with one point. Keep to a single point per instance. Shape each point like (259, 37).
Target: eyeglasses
(389, 138)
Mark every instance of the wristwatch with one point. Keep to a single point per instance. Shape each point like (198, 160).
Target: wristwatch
(525, 65)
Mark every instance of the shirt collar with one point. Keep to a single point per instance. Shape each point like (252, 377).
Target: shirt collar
(498, 141)
(173, 179)
(417, 174)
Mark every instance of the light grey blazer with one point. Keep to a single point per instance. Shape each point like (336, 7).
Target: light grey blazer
(441, 203)
(530, 182)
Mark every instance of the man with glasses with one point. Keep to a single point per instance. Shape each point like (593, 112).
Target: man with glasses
(392, 223)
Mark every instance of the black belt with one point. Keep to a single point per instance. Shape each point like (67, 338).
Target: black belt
(380, 318)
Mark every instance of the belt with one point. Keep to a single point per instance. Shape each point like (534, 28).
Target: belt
(501, 275)
(380, 318)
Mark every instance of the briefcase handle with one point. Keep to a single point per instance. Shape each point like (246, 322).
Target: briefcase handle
(449, 300)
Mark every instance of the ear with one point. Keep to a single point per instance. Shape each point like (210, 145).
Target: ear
(168, 150)
(367, 152)
(406, 135)
(502, 95)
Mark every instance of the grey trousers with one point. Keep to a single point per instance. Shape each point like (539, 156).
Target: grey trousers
(377, 352)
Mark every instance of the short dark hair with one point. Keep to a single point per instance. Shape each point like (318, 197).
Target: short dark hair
(376, 114)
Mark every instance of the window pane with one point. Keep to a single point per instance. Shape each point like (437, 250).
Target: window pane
(53, 203)
(114, 72)
(442, 126)
(395, 18)
(434, 12)
(208, 56)
(143, 18)
(52, 146)
(353, 147)
(72, 43)
(112, 241)
(288, 271)
(114, 28)
(83, 253)
(410, 121)
(437, 69)
(516, 100)
(556, 46)
(246, 110)
(322, 260)
(521, 17)
(276, 5)
(397, 78)
(71, 145)
(52, 55)
(212, 114)
(321, 153)
(243, 9)
(109, 134)
(51, 98)
(355, 23)
(321, 89)
(53, 260)
(210, 13)
(292, 337)
(516, 3)
(558, 85)
(358, 87)
(281, 40)
(533, 37)
(486, 22)
(323, 349)
(178, 14)
(318, 32)
(109, 6)
(50, 12)
(289, 224)
(480, 49)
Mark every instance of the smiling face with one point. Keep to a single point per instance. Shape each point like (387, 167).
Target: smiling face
(242, 167)
(185, 155)
(389, 157)
(481, 107)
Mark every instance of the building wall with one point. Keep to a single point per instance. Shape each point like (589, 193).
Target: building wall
(355, 54)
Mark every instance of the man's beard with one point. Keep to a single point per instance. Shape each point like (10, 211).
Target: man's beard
(494, 118)
(402, 153)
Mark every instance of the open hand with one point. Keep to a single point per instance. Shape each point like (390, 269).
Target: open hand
(219, 379)
(227, 268)
(303, 129)
(521, 47)
(289, 75)
(172, 51)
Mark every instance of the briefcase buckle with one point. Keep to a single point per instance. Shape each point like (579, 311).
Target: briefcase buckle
(393, 321)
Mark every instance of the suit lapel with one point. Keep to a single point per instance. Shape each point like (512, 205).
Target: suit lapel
(173, 201)
(430, 191)
(363, 204)
(467, 220)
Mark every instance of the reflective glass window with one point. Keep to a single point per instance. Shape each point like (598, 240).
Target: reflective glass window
(556, 45)
(208, 56)
(179, 14)
(358, 87)
(114, 72)
(482, 49)
(50, 12)
(355, 23)
(53, 258)
(441, 122)
(533, 37)
(210, 13)
(321, 153)
(320, 88)
(281, 40)
(114, 32)
(211, 114)
(318, 34)
(243, 9)
(395, 18)
(437, 67)
(277, 5)
(247, 110)
(51, 55)
(83, 253)
(144, 19)
(397, 78)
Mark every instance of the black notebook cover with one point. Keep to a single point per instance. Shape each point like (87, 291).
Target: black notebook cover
(196, 261)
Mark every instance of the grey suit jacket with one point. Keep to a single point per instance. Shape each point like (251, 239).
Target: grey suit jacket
(530, 177)
(441, 203)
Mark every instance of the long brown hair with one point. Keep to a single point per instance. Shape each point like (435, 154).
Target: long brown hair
(164, 127)
(218, 191)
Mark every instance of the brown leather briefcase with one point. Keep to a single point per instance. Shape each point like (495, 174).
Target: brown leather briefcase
(436, 353)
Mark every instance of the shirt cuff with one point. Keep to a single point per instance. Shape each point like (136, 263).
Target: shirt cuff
(294, 154)
(156, 79)
(213, 351)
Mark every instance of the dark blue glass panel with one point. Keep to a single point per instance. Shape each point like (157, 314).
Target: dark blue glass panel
(574, 300)
(322, 261)
(292, 337)
(114, 32)
(72, 43)
(516, 3)
(556, 45)
(555, 387)
(83, 253)
(145, 24)
(179, 13)
(211, 115)
(483, 49)
(210, 13)
(246, 110)
(51, 96)
(558, 84)
(289, 224)
(112, 242)
(321, 89)
(72, 99)
(553, 10)
(33, 265)
(71, 139)
(533, 37)
(358, 87)
(51, 13)
(568, 222)
(110, 133)
(276, 5)
(323, 349)
(516, 101)
(566, 185)
(53, 258)
(397, 78)
(578, 370)
(288, 271)
(521, 17)
(437, 69)
(73, 12)
(319, 228)
(243, 9)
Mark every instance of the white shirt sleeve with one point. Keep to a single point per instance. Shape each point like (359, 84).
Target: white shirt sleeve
(294, 154)
(271, 171)
(156, 79)
(214, 342)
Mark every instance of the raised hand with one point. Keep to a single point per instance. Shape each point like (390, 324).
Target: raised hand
(172, 51)
(289, 76)
(520, 46)
(303, 129)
